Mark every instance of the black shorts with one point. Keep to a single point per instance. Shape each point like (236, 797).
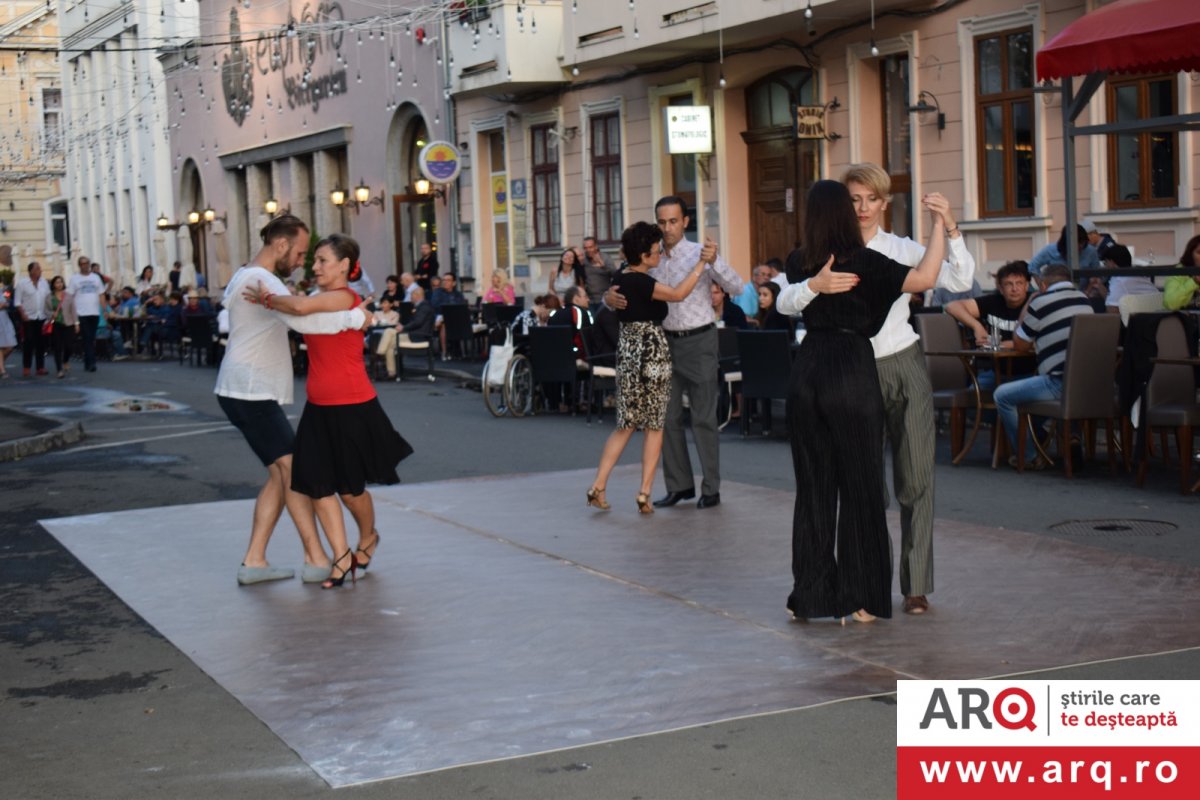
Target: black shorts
(264, 425)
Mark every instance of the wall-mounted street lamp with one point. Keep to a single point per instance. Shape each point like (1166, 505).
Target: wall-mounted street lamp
(338, 197)
(923, 107)
(165, 224)
(362, 198)
(193, 217)
(272, 207)
(426, 189)
(211, 216)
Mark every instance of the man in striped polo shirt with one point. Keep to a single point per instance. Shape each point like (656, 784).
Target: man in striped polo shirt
(1046, 328)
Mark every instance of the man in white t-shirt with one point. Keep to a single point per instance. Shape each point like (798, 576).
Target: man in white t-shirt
(86, 288)
(256, 379)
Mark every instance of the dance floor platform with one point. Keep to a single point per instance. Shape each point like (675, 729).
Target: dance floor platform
(503, 618)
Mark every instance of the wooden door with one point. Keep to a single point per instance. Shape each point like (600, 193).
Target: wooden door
(777, 190)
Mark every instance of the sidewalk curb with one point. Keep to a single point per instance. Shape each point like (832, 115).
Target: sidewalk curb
(65, 433)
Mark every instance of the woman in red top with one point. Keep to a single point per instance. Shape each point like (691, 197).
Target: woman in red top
(344, 440)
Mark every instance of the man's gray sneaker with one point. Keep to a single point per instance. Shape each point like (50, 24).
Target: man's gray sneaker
(314, 574)
(249, 575)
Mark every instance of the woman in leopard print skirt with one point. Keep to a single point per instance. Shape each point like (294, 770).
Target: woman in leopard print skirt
(643, 360)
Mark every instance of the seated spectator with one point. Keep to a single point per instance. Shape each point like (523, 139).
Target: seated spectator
(1117, 256)
(999, 312)
(384, 331)
(574, 313)
(1057, 253)
(447, 294)
(128, 304)
(1180, 290)
(393, 291)
(501, 290)
(162, 323)
(408, 283)
(1045, 329)
(419, 327)
(748, 299)
(536, 317)
(145, 284)
(727, 313)
(108, 328)
(768, 316)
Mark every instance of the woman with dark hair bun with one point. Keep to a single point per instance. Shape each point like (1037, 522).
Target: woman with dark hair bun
(643, 359)
(344, 440)
(841, 556)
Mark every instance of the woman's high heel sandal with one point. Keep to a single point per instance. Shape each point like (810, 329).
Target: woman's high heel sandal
(368, 552)
(643, 503)
(862, 615)
(595, 498)
(333, 582)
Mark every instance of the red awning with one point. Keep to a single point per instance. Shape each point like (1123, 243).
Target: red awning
(1126, 36)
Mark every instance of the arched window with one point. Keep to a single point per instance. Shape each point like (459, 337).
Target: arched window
(771, 101)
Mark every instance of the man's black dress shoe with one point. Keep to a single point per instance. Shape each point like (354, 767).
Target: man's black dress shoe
(709, 500)
(674, 497)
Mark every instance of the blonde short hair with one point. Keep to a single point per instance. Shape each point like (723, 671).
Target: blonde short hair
(871, 176)
(503, 274)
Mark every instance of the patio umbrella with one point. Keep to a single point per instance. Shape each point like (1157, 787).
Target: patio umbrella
(221, 246)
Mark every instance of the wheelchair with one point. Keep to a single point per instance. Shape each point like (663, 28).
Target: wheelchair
(510, 393)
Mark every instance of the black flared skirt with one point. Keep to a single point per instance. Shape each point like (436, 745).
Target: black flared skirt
(340, 449)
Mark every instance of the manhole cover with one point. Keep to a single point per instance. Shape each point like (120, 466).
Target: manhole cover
(139, 404)
(1114, 527)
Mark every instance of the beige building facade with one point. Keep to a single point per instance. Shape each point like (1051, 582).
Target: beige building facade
(566, 125)
(33, 214)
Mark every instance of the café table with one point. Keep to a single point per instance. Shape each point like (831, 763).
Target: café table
(1002, 362)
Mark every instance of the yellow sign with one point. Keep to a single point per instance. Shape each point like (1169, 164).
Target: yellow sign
(499, 195)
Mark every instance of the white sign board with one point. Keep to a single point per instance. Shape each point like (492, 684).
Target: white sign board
(689, 129)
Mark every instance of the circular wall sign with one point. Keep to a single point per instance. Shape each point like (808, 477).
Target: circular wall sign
(440, 162)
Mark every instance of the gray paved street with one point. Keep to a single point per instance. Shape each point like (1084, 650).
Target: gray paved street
(94, 703)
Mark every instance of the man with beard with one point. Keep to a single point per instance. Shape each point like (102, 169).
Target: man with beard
(256, 379)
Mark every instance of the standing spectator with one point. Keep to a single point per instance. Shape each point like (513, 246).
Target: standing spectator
(175, 276)
(8, 333)
(256, 380)
(501, 290)
(841, 552)
(568, 273)
(727, 313)
(1045, 329)
(1180, 290)
(598, 270)
(778, 275)
(30, 300)
(907, 394)
(427, 267)
(85, 290)
(1096, 239)
(644, 361)
(1056, 252)
(692, 338)
(60, 310)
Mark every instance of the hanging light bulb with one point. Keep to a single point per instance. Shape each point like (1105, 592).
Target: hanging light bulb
(575, 70)
(721, 80)
(808, 12)
(874, 49)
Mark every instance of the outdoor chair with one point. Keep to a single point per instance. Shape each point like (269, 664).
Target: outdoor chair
(405, 347)
(766, 367)
(602, 375)
(1170, 401)
(730, 373)
(953, 389)
(456, 320)
(1089, 387)
(552, 358)
(197, 342)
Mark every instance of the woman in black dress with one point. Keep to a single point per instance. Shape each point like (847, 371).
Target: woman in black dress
(835, 411)
(643, 360)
